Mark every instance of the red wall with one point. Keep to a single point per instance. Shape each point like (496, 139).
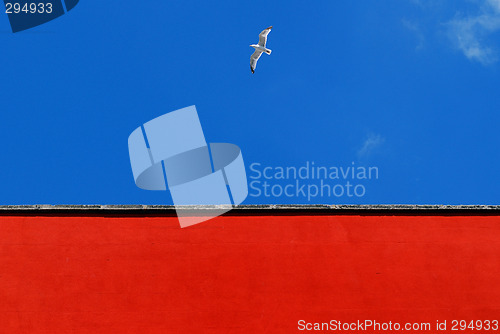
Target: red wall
(244, 274)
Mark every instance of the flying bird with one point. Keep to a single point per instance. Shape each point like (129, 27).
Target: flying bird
(259, 48)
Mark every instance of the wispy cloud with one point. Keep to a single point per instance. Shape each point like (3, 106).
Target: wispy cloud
(371, 144)
(470, 33)
(415, 28)
(495, 4)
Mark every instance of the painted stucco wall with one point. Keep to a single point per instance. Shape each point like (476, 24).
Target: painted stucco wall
(244, 274)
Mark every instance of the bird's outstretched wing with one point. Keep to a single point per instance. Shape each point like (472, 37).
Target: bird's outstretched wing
(253, 60)
(263, 36)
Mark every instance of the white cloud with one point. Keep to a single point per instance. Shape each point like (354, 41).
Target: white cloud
(470, 33)
(371, 143)
(415, 28)
(495, 4)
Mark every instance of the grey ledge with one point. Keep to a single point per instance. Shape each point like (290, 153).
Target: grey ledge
(266, 207)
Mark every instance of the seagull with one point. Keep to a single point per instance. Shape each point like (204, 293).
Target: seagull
(259, 48)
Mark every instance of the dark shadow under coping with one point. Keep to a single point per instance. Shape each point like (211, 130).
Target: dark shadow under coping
(245, 210)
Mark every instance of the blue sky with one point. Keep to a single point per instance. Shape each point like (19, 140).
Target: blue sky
(408, 86)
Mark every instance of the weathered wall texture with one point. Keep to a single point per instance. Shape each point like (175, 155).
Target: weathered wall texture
(245, 273)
